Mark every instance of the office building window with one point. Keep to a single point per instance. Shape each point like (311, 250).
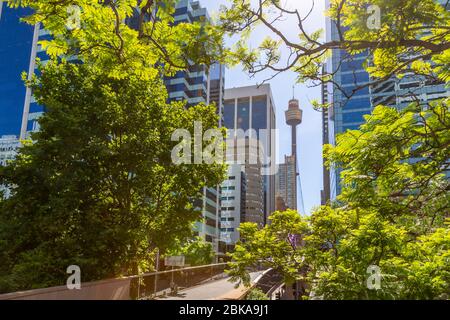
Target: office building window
(259, 113)
(229, 114)
(354, 117)
(356, 104)
(243, 113)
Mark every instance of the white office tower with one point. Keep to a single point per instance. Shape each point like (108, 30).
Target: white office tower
(9, 144)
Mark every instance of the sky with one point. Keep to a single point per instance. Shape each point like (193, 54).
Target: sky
(309, 139)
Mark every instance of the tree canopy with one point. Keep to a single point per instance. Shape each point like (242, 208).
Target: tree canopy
(96, 185)
(138, 35)
(393, 216)
(196, 251)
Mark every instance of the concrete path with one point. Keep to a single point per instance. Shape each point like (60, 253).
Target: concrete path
(214, 290)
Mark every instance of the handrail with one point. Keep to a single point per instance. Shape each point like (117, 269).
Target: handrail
(58, 291)
(274, 287)
(174, 270)
(253, 284)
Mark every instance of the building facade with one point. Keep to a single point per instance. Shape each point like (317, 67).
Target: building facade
(245, 150)
(242, 194)
(9, 145)
(233, 193)
(287, 183)
(251, 110)
(32, 111)
(200, 84)
(288, 171)
(16, 46)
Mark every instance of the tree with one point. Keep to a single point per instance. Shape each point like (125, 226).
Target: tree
(120, 36)
(256, 294)
(395, 200)
(97, 187)
(391, 222)
(269, 245)
(196, 251)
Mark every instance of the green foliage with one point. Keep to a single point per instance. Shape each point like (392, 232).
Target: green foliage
(98, 188)
(393, 213)
(395, 200)
(197, 252)
(256, 294)
(101, 32)
(269, 244)
(406, 36)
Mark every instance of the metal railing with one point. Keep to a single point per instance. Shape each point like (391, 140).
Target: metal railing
(170, 282)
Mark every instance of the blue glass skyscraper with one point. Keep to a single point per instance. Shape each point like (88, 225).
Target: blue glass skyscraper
(18, 52)
(354, 94)
(16, 43)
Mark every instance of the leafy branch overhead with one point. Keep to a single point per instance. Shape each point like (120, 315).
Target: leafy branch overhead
(128, 34)
(393, 214)
(412, 36)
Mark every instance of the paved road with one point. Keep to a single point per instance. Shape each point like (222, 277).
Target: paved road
(215, 290)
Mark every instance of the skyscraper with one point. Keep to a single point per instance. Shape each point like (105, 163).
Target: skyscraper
(198, 84)
(287, 183)
(325, 192)
(19, 49)
(233, 193)
(9, 144)
(16, 52)
(16, 44)
(32, 111)
(251, 110)
(8, 148)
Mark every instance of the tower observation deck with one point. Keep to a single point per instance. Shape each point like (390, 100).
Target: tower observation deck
(294, 118)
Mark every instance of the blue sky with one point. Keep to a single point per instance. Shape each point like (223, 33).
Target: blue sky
(309, 138)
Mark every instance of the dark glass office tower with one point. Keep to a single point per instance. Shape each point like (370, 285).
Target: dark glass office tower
(18, 52)
(251, 109)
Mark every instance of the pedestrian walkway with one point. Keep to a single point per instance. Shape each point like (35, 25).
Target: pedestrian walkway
(221, 289)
